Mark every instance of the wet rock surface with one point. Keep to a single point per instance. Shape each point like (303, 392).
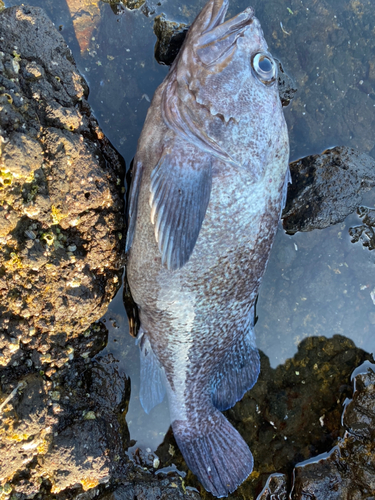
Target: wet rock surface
(55, 431)
(66, 435)
(365, 232)
(61, 206)
(275, 488)
(326, 188)
(349, 470)
(170, 37)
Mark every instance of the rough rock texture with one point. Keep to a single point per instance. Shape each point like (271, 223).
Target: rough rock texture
(326, 188)
(152, 490)
(287, 87)
(61, 207)
(275, 488)
(365, 232)
(57, 431)
(67, 435)
(348, 473)
(170, 36)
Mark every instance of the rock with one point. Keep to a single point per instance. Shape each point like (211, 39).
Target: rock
(61, 206)
(26, 428)
(170, 36)
(168, 489)
(326, 188)
(71, 430)
(364, 233)
(287, 87)
(275, 488)
(348, 472)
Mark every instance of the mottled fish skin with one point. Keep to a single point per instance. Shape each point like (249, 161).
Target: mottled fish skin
(208, 185)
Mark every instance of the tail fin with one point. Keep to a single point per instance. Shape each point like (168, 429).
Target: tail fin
(218, 456)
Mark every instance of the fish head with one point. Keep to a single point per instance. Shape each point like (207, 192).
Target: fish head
(226, 65)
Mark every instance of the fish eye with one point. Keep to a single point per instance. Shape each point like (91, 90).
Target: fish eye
(264, 68)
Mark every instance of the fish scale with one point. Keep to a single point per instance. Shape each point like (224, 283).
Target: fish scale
(209, 182)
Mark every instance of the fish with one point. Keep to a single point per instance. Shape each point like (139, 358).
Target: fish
(209, 182)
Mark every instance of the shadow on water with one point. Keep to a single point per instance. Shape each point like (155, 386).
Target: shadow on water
(316, 305)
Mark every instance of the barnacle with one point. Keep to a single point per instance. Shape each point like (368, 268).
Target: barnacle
(48, 238)
(6, 179)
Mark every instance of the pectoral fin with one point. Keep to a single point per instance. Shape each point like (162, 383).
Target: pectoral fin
(180, 192)
(133, 201)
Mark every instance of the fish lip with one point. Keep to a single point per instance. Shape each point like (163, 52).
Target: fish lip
(237, 24)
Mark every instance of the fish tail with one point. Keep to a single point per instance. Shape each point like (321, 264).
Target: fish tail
(215, 453)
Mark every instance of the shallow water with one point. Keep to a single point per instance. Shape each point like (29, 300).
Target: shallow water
(317, 283)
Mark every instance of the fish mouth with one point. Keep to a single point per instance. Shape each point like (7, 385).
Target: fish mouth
(217, 44)
(220, 31)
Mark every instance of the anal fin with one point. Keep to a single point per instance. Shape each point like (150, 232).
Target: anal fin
(237, 374)
(152, 390)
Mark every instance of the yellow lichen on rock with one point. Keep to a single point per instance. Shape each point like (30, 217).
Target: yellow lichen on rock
(56, 215)
(88, 483)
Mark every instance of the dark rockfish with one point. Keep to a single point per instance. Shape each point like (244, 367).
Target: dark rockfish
(209, 179)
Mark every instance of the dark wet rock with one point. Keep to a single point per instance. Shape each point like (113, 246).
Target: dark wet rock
(326, 188)
(69, 429)
(275, 488)
(170, 37)
(359, 414)
(348, 472)
(147, 7)
(287, 87)
(61, 205)
(134, 4)
(154, 489)
(365, 232)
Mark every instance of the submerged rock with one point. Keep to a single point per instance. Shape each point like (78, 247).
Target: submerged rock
(348, 472)
(326, 188)
(61, 204)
